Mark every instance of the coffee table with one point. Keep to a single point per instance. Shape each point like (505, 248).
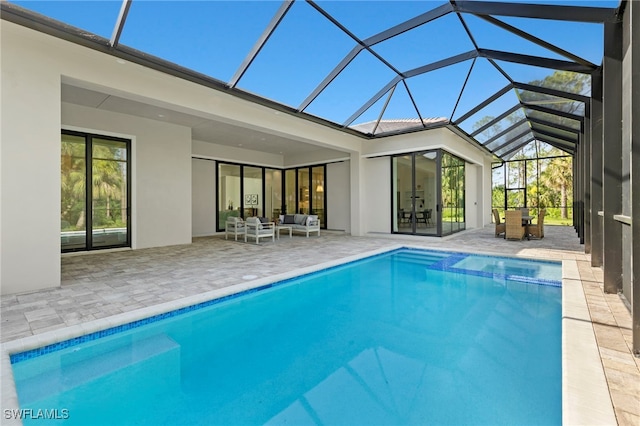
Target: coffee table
(281, 227)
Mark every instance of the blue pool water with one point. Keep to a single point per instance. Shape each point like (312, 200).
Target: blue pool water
(410, 337)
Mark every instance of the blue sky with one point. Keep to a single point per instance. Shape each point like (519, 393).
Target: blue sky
(213, 37)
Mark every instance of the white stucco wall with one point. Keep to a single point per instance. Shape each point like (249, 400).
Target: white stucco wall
(235, 155)
(473, 195)
(203, 197)
(30, 180)
(377, 195)
(338, 196)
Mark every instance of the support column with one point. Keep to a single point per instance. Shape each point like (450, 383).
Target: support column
(357, 221)
(612, 156)
(595, 158)
(585, 142)
(579, 192)
(633, 18)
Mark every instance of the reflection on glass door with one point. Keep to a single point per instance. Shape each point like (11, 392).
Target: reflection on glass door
(317, 194)
(95, 192)
(303, 191)
(252, 189)
(290, 191)
(73, 234)
(228, 193)
(109, 193)
(426, 192)
(453, 184)
(415, 188)
(273, 193)
(402, 187)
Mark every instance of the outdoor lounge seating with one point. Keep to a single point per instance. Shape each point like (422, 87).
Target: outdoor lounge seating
(301, 223)
(537, 230)
(234, 225)
(500, 227)
(256, 229)
(514, 229)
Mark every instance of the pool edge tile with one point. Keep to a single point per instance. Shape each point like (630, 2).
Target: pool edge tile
(585, 393)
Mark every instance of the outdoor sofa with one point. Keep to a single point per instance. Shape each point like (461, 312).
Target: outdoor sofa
(302, 223)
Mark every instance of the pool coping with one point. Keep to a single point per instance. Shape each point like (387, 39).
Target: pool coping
(585, 394)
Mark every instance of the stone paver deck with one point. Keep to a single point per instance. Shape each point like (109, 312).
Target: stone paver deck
(100, 285)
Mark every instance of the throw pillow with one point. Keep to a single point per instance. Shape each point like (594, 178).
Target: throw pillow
(263, 220)
(288, 219)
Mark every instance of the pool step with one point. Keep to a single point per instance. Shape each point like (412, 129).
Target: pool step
(420, 258)
(84, 365)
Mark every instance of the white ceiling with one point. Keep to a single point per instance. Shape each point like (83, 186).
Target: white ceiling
(203, 129)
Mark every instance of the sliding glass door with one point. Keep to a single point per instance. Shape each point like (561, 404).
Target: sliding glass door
(228, 193)
(102, 205)
(428, 193)
(245, 191)
(453, 183)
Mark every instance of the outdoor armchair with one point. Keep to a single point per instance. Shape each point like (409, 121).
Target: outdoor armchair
(235, 226)
(256, 230)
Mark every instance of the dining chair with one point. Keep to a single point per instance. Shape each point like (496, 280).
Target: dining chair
(514, 229)
(500, 226)
(537, 230)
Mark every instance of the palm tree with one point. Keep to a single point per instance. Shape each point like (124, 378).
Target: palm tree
(558, 177)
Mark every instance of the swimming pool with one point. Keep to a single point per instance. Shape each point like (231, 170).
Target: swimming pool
(409, 337)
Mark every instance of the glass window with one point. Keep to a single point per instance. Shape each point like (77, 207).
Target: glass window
(252, 189)
(290, 191)
(402, 185)
(73, 194)
(497, 188)
(426, 195)
(109, 201)
(317, 194)
(273, 193)
(453, 194)
(229, 203)
(102, 206)
(304, 205)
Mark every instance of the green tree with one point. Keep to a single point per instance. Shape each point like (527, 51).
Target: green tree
(557, 178)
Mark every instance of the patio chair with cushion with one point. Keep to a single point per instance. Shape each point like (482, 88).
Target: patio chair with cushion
(234, 225)
(500, 227)
(256, 229)
(514, 229)
(537, 230)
